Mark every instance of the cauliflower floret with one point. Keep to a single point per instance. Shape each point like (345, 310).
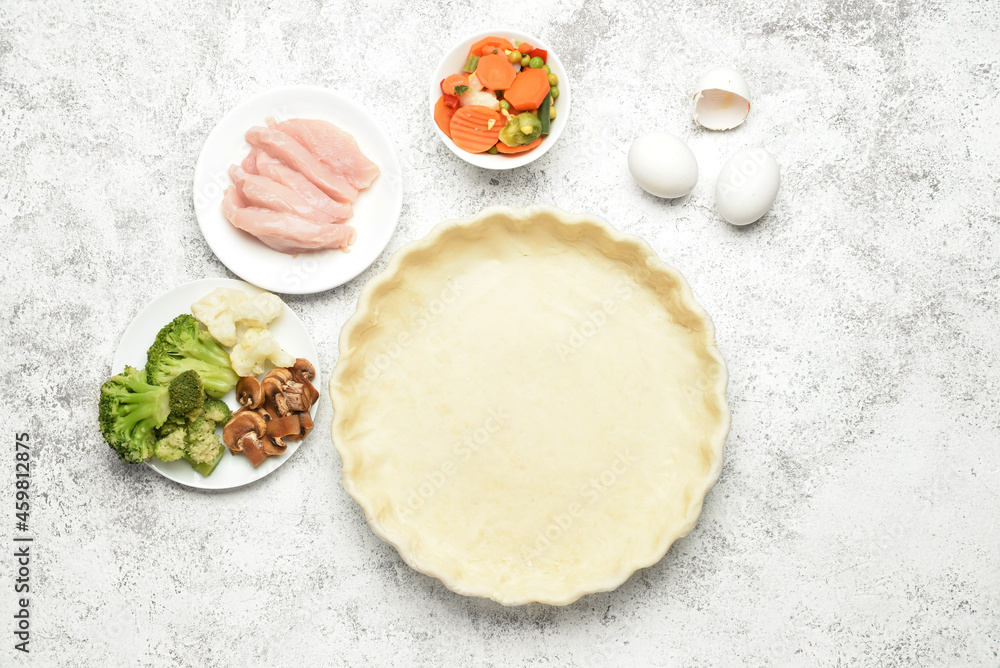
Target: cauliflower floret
(483, 98)
(217, 311)
(224, 309)
(256, 347)
(259, 310)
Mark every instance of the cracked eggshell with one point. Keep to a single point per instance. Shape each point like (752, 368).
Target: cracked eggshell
(723, 99)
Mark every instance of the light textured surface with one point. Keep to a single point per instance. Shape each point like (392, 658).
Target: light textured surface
(855, 522)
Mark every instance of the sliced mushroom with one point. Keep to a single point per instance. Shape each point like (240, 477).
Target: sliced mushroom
(249, 392)
(272, 390)
(303, 372)
(287, 392)
(302, 386)
(296, 397)
(244, 432)
(304, 368)
(256, 452)
(312, 393)
(274, 446)
(281, 373)
(288, 425)
(305, 424)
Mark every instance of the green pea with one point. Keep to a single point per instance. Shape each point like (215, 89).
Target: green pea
(525, 61)
(514, 57)
(535, 63)
(493, 150)
(553, 80)
(554, 92)
(504, 104)
(545, 68)
(552, 113)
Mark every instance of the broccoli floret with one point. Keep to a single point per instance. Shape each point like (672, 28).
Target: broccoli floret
(217, 411)
(187, 396)
(201, 443)
(193, 437)
(130, 409)
(170, 446)
(203, 448)
(183, 345)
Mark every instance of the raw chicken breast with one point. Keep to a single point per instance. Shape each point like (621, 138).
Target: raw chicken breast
(262, 192)
(276, 171)
(333, 146)
(284, 232)
(249, 163)
(293, 154)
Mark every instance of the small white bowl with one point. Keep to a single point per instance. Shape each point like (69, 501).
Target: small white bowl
(453, 62)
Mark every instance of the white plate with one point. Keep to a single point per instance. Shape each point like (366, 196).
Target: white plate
(453, 62)
(375, 213)
(291, 333)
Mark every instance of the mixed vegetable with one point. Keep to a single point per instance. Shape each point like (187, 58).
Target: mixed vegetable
(503, 101)
(171, 408)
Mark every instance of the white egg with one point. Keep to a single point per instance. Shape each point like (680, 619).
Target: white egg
(663, 165)
(747, 186)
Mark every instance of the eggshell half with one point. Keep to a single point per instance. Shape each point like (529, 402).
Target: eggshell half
(723, 99)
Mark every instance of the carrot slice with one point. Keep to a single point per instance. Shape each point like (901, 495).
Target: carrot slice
(471, 129)
(525, 48)
(510, 150)
(451, 82)
(495, 72)
(499, 42)
(528, 90)
(442, 115)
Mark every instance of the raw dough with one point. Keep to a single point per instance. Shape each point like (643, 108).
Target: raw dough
(529, 405)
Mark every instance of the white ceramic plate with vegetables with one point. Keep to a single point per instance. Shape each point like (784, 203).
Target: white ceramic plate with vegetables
(375, 213)
(475, 134)
(287, 329)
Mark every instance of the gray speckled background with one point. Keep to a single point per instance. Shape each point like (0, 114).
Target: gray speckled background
(855, 522)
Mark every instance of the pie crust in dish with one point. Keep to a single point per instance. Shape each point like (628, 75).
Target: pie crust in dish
(529, 405)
